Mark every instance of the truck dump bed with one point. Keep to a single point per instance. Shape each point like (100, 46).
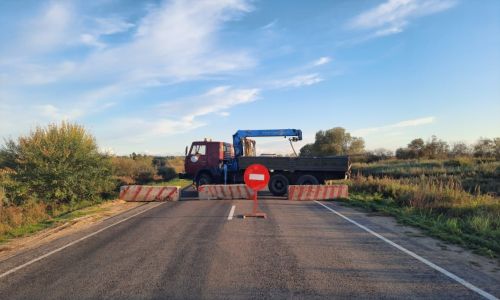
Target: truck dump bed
(313, 164)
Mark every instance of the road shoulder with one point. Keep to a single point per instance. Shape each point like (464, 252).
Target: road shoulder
(43, 237)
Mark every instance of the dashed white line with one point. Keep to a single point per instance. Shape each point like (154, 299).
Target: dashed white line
(231, 213)
(467, 284)
(72, 243)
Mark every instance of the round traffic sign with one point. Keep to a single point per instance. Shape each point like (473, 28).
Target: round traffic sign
(256, 177)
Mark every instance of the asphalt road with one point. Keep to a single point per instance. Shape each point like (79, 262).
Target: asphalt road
(190, 250)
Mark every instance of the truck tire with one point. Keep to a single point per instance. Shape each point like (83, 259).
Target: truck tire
(203, 179)
(307, 180)
(278, 185)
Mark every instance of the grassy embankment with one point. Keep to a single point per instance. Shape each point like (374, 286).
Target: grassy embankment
(18, 221)
(33, 216)
(432, 196)
(474, 175)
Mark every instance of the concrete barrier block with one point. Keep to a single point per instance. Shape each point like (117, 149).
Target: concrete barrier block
(221, 191)
(146, 193)
(317, 192)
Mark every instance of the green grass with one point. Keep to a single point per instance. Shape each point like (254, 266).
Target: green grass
(28, 228)
(33, 218)
(472, 174)
(174, 182)
(442, 209)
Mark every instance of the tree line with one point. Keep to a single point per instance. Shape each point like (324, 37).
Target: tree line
(436, 148)
(337, 141)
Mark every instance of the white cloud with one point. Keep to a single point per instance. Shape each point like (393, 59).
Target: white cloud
(175, 117)
(36, 74)
(216, 100)
(173, 42)
(113, 25)
(99, 27)
(322, 61)
(415, 122)
(50, 28)
(298, 81)
(176, 41)
(269, 25)
(91, 40)
(393, 16)
(402, 124)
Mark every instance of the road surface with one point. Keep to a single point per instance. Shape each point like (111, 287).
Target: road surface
(190, 250)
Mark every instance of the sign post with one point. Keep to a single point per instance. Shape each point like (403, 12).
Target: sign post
(256, 177)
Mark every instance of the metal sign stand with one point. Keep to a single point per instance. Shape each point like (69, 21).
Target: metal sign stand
(256, 178)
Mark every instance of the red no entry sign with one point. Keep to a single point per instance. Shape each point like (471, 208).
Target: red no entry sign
(256, 177)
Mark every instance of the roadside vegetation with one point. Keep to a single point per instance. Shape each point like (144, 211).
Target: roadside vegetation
(474, 175)
(451, 192)
(440, 207)
(55, 173)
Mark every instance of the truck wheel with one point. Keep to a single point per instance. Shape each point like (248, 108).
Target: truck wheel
(307, 180)
(278, 185)
(203, 179)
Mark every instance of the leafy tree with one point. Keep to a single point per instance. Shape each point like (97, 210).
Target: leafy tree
(58, 164)
(307, 150)
(460, 149)
(378, 154)
(404, 153)
(356, 146)
(485, 148)
(496, 141)
(497, 148)
(436, 148)
(335, 141)
(416, 148)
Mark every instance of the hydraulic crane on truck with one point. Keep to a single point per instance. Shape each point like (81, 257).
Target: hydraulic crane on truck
(240, 136)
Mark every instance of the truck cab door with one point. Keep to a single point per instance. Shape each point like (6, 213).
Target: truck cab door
(196, 159)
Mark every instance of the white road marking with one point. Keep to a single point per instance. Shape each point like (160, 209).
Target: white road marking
(467, 284)
(72, 243)
(231, 212)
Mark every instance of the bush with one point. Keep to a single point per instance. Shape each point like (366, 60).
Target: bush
(57, 164)
(138, 170)
(167, 173)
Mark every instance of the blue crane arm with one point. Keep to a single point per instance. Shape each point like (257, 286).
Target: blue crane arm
(295, 134)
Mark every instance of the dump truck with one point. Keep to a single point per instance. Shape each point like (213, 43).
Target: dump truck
(210, 162)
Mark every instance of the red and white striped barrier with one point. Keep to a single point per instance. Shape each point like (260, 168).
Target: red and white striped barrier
(220, 191)
(317, 192)
(149, 193)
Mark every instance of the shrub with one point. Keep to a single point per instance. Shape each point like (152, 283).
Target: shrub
(57, 164)
(12, 217)
(139, 170)
(167, 173)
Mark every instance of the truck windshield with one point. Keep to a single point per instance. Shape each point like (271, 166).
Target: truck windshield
(198, 150)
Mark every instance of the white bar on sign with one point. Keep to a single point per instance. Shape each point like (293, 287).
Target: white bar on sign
(256, 177)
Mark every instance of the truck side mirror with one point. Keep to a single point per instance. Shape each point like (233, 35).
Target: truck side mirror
(186, 151)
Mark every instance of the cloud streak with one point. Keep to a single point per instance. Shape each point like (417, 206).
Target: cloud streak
(179, 116)
(298, 81)
(402, 124)
(322, 61)
(216, 100)
(394, 16)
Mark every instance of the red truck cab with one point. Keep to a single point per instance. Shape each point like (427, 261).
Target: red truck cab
(205, 157)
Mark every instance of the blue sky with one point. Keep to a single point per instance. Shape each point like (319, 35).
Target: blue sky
(151, 77)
